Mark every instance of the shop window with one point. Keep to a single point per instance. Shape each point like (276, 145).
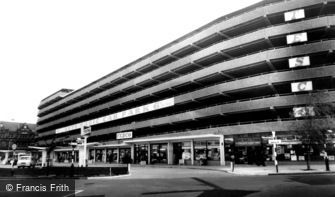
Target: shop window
(186, 153)
(125, 155)
(98, 155)
(213, 150)
(206, 151)
(158, 153)
(141, 154)
(111, 155)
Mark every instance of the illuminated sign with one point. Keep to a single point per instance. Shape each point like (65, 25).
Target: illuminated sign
(294, 15)
(302, 86)
(295, 38)
(125, 135)
(123, 114)
(299, 61)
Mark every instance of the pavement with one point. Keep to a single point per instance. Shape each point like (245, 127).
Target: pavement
(285, 168)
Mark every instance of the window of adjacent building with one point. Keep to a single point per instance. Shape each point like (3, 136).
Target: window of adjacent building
(294, 15)
(296, 38)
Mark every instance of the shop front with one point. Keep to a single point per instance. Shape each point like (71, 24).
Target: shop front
(65, 156)
(183, 150)
(255, 148)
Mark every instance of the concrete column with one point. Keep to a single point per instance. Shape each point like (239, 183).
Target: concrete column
(6, 158)
(149, 153)
(132, 152)
(118, 155)
(44, 158)
(81, 156)
(192, 152)
(94, 155)
(104, 159)
(170, 153)
(222, 152)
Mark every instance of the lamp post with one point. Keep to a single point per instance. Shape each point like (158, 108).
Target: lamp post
(325, 153)
(73, 145)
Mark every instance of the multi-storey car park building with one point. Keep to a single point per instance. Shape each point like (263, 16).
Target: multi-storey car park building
(216, 92)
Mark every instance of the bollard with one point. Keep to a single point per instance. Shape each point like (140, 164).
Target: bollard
(72, 170)
(128, 168)
(232, 165)
(327, 164)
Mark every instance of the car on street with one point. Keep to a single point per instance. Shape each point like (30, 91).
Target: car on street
(25, 161)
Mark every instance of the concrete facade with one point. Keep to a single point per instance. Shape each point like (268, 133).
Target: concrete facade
(231, 79)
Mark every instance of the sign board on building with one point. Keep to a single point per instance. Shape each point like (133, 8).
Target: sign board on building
(303, 111)
(85, 131)
(274, 141)
(119, 115)
(302, 86)
(294, 15)
(124, 135)
(299, 61)
(296, 38)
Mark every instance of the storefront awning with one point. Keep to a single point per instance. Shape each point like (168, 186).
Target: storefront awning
(112, 145)
(173, 138)
(37, 147)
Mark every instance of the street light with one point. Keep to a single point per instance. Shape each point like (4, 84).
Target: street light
(73, 145)
(325, 152)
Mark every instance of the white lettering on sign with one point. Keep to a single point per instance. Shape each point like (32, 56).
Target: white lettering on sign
(303, 111)
(125, 135)
(294, 38)
(85, 131)
(119, 115)
(274, 141)
(299, 61)
(294, 15)
(302, 86)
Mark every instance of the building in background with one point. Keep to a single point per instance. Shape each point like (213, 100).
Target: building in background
(220, 91)
(15, 135)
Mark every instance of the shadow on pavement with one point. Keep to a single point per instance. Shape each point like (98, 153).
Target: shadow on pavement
(314, 180)
(216, 191)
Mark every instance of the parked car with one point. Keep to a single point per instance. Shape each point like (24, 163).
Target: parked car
(25, 161)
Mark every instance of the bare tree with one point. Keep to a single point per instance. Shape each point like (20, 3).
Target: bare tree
(317, 118)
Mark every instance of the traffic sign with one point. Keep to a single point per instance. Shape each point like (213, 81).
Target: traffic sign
(274, 141)
(86, 131)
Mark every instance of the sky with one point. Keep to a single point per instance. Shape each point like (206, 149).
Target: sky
(46, 45)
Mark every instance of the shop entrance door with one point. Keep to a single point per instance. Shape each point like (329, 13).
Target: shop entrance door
(250, 155)
(125, 156)
(158, 153)
(177, 152)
